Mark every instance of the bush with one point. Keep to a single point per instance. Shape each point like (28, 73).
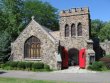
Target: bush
(38, 65)
(12, 64)
(28, 65)
(97, 66)
(47, 67)
(2, 66)
(21, 65)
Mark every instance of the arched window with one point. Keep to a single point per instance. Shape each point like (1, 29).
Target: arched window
(32, 48)
(66, 30)
(73, 30)
(79, 29)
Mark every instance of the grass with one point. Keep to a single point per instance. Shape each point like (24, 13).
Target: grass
(18, 80)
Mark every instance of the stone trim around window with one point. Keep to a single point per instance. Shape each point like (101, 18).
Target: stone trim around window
(29, 59)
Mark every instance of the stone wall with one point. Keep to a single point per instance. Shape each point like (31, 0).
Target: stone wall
(49, 45)
(49, 40)
(76, 15)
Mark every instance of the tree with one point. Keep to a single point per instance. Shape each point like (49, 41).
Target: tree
(96, 25)
(16, 14)
(105, 32)
(12, 10)
(44, 13)
(11, 21)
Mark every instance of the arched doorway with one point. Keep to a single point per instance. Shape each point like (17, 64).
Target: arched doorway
(32, 48)
(73, 57)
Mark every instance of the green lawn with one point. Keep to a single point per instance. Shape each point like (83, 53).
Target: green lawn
(16, 80)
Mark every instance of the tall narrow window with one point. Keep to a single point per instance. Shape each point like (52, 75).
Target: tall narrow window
(79, 29)
(32, 48)
(66, 30)
(73, 30)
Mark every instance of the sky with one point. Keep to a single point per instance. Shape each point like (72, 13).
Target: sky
(99, 9)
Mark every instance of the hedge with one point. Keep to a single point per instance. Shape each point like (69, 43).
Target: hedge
(32, 66)
(97, 66)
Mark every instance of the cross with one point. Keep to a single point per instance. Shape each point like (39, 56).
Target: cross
(32, 17)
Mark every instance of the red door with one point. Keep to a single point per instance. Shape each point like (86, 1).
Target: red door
(82, 58)
(64, 58)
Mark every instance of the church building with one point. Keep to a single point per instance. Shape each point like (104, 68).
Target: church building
(70, 46)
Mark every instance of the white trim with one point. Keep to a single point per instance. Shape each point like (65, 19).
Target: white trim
(29, 59)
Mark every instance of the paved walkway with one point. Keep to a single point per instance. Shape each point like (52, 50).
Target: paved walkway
(74, 69)
(71, 77)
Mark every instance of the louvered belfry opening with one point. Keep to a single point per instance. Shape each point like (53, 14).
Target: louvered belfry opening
(32, 48)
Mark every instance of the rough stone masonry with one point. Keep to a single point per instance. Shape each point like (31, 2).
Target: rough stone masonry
(74, 34)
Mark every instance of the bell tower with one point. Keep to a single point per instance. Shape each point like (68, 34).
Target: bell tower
(75, 33)
(74, 23)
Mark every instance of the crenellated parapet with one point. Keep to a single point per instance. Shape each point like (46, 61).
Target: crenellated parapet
(75, 11)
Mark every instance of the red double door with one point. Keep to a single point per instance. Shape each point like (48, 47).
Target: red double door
(82, 58)
(65, 58)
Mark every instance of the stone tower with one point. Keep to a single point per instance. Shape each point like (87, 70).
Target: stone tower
(74, 27)
(74, 34)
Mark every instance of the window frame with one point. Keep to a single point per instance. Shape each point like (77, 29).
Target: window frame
(32, 47)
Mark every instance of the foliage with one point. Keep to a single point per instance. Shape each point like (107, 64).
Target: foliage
(12, 64)
(105, 32)
(97, 66)
(100, 29)
(96, 25)
(44, 13)
(21, 65)
(28, 65)
(16, 14)
(36, 66)
(46, 67)
(10, 25)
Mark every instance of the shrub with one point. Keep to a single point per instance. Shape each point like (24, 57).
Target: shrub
(38, 65)
(33, 66)
(28, 65)
(21, 65)
(2, 66)
(47, 67)
(97, 66)
(12, 64)
(7, 68)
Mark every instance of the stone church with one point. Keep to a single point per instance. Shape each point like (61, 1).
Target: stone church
(38, 43)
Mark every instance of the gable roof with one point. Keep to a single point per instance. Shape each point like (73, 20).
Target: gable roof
(44, 29)
(47, 29)
(55, 34)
